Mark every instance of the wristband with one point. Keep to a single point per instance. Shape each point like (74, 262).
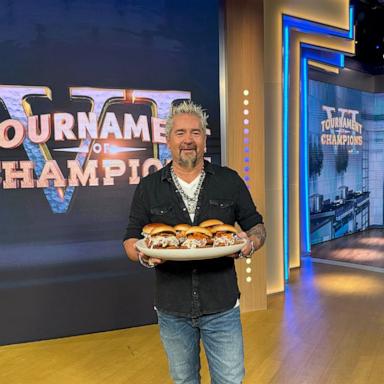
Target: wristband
(242, 256)
(144, 263)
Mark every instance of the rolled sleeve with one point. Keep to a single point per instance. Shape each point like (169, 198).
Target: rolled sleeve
(247, 215)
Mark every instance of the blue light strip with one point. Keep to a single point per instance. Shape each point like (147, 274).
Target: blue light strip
(351, 29)
(285, 153)
(329, 57)
(305, 26)
(308, 26)
(304, 171)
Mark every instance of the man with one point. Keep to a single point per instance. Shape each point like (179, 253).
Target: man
(196, 300)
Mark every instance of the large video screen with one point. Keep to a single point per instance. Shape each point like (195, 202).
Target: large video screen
(346, 142)
(85, 87)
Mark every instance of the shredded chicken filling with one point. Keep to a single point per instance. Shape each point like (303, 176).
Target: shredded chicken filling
(163, 242)
(194, 243)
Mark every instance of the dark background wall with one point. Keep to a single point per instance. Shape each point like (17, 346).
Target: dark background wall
(67, 274)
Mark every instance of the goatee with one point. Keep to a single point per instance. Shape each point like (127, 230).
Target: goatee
(188, 163)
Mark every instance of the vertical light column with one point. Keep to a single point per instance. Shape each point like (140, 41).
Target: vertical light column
(246, 168)
(246, 162)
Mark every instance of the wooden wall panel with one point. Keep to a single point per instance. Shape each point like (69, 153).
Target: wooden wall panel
(244, 71)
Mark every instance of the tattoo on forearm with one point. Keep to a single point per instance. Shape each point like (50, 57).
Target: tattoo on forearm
(258, 231)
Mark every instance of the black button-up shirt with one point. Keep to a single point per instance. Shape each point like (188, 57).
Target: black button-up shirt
(194, 288)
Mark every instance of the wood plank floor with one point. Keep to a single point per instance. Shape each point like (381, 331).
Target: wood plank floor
(365, 248)
(328, 328)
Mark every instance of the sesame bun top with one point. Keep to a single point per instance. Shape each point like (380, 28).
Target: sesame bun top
(201, 230)
(148, 228)
(210, 223)
(223, 228)
(182, 227)
(163, 228)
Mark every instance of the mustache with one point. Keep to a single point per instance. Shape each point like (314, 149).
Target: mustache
(188, 147)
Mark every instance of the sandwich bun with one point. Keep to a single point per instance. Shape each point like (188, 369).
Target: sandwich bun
(182, 227)
(203, 231)
(197, 237)
(210, 223)
(148, 228)
(223, 228)
(162, 228)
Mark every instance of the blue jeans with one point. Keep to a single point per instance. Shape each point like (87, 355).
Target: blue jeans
(222, 338)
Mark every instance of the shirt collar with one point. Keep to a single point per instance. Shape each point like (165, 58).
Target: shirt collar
(166, 171)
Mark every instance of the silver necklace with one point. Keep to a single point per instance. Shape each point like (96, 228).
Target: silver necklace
(190, 202)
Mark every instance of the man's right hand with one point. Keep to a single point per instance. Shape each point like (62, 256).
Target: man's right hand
(151, 261)
(134, 254)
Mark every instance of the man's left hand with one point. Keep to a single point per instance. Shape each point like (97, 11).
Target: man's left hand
(255, 239)
(246, 250)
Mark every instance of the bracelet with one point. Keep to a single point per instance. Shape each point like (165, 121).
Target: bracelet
(145, 264)
(242, 256)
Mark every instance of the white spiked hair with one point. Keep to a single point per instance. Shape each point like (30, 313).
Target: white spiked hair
(188, 107)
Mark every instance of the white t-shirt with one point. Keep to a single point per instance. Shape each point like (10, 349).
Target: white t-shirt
(189, 189)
